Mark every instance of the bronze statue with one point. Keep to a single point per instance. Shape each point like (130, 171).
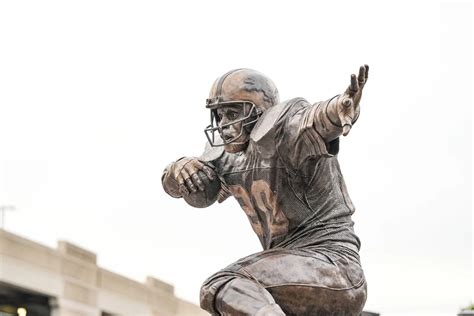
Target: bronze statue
(279, 160)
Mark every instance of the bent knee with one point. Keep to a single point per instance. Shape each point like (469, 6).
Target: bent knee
(211, 287)
(315, 300)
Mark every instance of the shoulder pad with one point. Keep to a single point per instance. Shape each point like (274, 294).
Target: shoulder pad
(270, 117)
(211, 153)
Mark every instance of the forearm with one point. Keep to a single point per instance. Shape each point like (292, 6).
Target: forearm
(326, 118)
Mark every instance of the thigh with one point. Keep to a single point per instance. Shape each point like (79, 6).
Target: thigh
(307, 282)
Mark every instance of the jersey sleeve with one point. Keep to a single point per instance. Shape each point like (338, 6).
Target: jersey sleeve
(297, 138)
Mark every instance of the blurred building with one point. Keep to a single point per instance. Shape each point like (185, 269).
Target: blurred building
(36, 280)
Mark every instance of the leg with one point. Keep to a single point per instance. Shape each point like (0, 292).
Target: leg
(301, 282)
(246, 297)
(234, 292)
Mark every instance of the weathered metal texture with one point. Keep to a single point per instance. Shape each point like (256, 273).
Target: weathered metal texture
(243, 84)
(285, 175)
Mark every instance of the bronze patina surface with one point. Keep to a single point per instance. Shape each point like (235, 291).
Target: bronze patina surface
(279, 160)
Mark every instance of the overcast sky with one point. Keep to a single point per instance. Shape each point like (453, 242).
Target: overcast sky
(97, 97)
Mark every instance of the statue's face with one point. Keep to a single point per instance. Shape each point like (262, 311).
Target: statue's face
(236, 133)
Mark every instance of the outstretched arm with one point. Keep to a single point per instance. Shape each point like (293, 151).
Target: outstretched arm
(337, 115)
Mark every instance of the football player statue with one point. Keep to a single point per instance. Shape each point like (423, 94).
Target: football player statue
(279, 160)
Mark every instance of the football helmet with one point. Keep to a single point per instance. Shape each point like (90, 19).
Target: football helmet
(239, 87)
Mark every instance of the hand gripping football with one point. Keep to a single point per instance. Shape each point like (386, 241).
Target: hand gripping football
(201, 199)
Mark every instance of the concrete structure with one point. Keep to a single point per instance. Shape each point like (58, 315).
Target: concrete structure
(67, 282)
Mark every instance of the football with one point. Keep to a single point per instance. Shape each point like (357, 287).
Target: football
(201, 199)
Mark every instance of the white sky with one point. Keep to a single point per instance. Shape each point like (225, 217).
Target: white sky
(97, 97)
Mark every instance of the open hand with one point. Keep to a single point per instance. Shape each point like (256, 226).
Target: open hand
(348, 103)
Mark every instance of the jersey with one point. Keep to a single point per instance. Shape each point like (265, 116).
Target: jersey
(289, 183)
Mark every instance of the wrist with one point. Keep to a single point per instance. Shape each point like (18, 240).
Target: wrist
(331, 111)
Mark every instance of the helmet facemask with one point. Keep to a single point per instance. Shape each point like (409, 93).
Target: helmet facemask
(239, 127)
(245, 92)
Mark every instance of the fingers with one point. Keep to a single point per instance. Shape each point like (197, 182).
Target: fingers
(191, 178)
(346, 114)
(197, 181)
(208, 171)
(188, 184)
(185, 187)
(191, 185)
(346, 129)
(354, 84)
(363, 75)
(346, 122)
(204, 178)
(347, 102)
(193, 175)
(196, 165)
(353, 87)
(351, 98)
(182, 186)
(357, 83)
